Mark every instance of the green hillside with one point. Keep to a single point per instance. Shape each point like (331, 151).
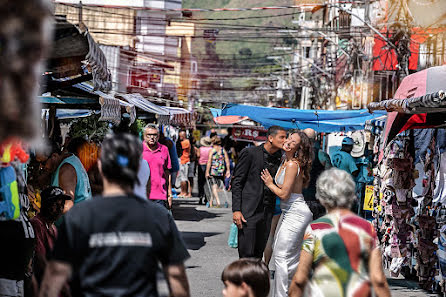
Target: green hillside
(269, 18)
(244, 41)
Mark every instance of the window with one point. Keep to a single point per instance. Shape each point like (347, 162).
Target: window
(194, 68)
(307, 52)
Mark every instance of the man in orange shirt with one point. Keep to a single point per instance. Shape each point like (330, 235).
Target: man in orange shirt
(184, 164)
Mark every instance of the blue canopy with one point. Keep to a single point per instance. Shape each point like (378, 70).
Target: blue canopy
(319, 120)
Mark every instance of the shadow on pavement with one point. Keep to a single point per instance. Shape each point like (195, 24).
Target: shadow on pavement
(195, 240)
(190, 213)
(185, 201)
(403, 283)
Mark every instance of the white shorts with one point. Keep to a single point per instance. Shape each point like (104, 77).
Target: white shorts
(183, 173)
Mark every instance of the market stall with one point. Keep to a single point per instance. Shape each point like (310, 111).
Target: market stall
(409, 184)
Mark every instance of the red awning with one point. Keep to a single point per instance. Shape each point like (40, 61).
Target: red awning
(229, 120)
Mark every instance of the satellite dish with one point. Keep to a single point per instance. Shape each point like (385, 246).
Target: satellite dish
(359, 144)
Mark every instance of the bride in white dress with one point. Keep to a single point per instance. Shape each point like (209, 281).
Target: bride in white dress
(292, 176)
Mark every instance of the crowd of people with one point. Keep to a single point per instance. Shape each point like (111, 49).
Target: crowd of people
(288, 204)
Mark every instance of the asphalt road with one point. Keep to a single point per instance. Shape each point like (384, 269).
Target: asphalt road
(205, 232)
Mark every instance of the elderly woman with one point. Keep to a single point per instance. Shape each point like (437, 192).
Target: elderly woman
(340, 250)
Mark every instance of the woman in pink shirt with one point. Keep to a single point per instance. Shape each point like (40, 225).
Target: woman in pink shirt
(203, 156)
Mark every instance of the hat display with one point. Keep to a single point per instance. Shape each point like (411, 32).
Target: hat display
(205, 141)
(53, 193)
(348, 141)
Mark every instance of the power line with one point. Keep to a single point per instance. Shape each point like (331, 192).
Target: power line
(223, 9)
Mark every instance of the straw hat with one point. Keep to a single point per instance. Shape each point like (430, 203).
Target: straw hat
(205, 141)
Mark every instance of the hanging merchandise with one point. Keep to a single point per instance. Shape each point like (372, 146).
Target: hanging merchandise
(393, 209)
(427, 232)
(10, 203)
(359, 144)
(9, 194)
(408, 207)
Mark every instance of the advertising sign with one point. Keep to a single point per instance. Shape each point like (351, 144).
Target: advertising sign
(249, 133)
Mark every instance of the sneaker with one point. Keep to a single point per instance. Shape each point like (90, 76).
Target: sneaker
(207, 205)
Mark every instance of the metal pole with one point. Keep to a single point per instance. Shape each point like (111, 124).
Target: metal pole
(80, 13)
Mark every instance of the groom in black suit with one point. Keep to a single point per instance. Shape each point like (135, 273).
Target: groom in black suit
(252, 202)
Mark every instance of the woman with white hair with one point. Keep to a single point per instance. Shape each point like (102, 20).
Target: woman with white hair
(340, 250)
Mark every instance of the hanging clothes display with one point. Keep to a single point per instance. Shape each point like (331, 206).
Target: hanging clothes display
(409, 210)
(393, 197)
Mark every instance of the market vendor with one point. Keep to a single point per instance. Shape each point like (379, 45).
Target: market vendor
(343, 159)
(69, 173)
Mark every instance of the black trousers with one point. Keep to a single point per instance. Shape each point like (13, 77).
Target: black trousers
(201, 180)
(253, 236)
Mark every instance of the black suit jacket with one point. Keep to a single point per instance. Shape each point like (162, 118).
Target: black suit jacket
(247, 186)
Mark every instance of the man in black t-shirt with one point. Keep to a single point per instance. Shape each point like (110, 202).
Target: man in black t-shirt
(103, 241)
(113, 244)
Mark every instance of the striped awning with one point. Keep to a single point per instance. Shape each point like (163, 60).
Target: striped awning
(139, 101)
(179, 117)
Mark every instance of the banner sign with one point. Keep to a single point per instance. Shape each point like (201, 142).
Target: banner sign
(249, 134)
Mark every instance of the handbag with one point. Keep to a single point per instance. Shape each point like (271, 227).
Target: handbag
(233, 236)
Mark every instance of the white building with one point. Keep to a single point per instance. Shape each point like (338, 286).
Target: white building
(143, 45)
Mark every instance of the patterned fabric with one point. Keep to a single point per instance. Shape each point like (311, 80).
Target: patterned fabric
(218, 163)
(340, 243)
(434, 100)
(101, 75)
(131, 110)
(110, 110)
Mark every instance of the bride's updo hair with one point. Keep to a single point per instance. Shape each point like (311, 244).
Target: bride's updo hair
(304, 155)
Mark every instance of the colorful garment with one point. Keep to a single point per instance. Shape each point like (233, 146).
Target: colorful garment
(218, 163)
(340, 243)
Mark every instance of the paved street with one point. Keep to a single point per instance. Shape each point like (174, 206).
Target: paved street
(205, 231)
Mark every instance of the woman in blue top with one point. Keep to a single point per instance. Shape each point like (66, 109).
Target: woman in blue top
(70, 174)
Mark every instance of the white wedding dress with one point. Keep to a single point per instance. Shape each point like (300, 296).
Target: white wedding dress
(289, 237)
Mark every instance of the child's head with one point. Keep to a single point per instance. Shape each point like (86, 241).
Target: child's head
(246, 277)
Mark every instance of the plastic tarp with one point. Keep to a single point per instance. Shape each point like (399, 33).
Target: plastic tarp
(319, 120)
(63, 114)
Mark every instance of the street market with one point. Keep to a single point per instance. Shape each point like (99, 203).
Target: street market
(236, 148)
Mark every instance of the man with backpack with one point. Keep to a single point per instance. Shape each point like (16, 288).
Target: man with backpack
(217, 168)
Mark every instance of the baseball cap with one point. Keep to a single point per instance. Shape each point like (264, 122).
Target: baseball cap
(348, 141)
(53, 193)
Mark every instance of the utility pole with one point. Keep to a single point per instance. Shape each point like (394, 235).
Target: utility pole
(80, 13)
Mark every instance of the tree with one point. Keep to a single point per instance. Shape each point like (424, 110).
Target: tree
(245, 52)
